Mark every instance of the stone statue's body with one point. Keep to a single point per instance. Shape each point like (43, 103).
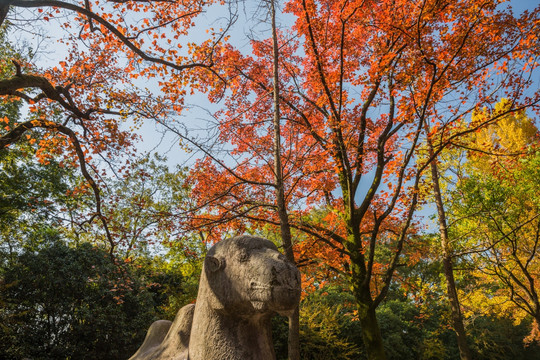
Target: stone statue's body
(244, 281)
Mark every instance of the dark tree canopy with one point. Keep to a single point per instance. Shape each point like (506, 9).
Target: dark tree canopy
(61, 302)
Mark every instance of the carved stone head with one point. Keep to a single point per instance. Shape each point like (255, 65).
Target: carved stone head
(247, 276)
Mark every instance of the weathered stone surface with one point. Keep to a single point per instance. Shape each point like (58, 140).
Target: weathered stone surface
(154, 337)
(172, 344)
(244, 281)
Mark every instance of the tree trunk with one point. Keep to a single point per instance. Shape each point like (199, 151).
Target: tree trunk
(371, 334)
(285, 229)
(360, 286)
(457, 318)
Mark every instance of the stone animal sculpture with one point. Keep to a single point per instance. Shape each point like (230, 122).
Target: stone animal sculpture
(244, 281)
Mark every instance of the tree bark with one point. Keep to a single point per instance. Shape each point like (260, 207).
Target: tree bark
(371, 334)
(285, 229)
(457, 318)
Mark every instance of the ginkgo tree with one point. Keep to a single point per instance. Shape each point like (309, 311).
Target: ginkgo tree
(359, 80)
(496, 215)
(508, 135)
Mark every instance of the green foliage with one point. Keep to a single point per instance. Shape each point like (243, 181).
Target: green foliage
(280, 330)
(169, 282)
(411, 330)
(328, 329)
(31, 196)
(322, 333)
(499, 338)
(498, 217)
(61, 302)
(144, 207)
(401, 329)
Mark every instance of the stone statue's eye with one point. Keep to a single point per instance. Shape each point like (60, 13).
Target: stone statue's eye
(243, 256)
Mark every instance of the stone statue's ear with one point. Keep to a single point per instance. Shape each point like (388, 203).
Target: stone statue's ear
(213, 264)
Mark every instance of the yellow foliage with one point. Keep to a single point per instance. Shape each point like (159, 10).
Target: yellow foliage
(508, 134)
(511, 133)
(481, 300)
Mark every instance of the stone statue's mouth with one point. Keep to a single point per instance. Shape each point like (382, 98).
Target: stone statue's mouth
(280, 298)
(255, 286)
(259, 294)
(267, 287)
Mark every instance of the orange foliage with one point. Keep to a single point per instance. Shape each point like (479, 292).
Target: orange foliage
(358, 79)
(84, 100)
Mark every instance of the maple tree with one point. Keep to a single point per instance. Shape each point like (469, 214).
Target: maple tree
(358, 82)
(79, 106)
